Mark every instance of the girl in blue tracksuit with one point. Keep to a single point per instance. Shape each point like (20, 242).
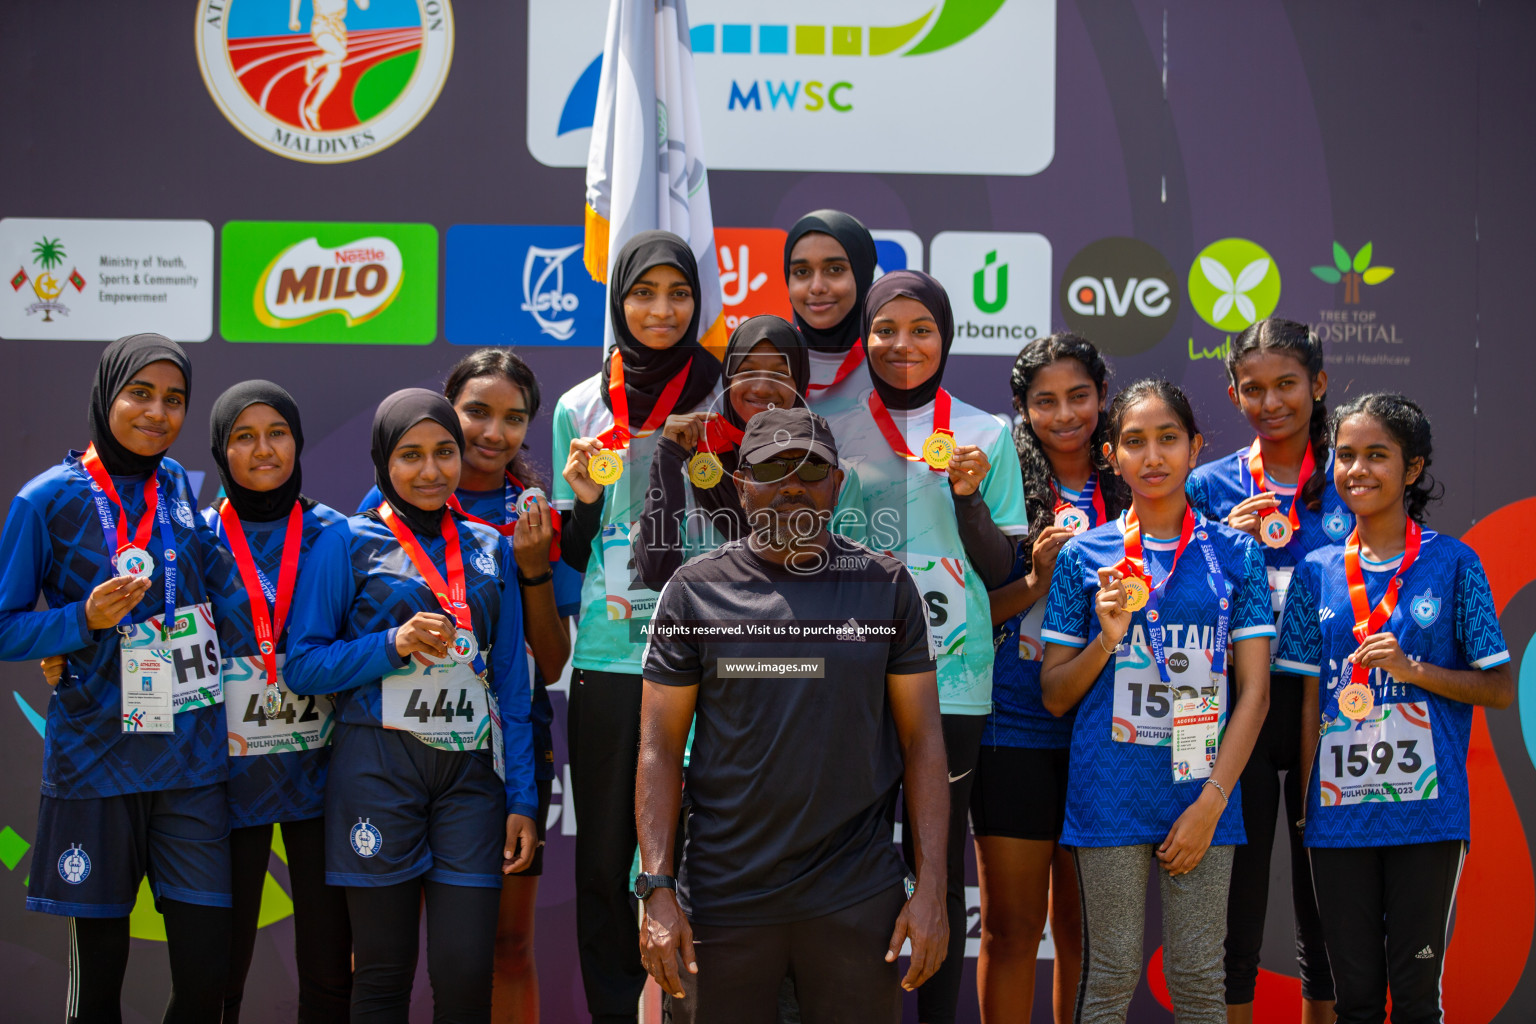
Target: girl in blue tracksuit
(411, 615)
(133, 756)
(258, 535)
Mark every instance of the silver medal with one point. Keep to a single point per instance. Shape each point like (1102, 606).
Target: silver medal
(464, 647)
(134, 562)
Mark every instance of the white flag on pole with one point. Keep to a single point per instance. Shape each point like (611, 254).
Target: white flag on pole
(645, 169)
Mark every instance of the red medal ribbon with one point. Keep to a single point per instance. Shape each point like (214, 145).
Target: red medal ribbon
(1100, 515)
(509, 528)
(451, 593)
(1369, 620)
(1134, 563)
(1256, 470)
(617, 436)
(91, 462)
(719, 436)
(892, 434)
(268, 625)
(850, 362)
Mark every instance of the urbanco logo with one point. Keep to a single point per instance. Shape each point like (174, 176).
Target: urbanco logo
(999, 285)
(352, 80)
(1234, 283)
(1121, 293)
(790, 85)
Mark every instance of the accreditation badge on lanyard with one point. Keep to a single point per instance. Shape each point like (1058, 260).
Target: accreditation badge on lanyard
(429, 699)
(1194, 732)
(147, 672)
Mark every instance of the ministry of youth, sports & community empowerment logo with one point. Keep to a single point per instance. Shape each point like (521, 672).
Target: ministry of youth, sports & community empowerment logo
(47, 256)
(324, 81)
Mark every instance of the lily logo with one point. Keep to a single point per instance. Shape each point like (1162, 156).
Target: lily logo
(1233, 284)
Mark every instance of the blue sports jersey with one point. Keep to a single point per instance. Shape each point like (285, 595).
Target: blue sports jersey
(1121, 791)
(358, 586)
(1216, 488)
(1018, 717)
(1399, 775)
(492, 507)
(288, 783)
(54, 547)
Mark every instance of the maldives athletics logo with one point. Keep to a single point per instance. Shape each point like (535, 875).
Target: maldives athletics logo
(324, 81)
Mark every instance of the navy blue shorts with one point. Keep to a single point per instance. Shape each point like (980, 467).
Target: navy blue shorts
(397, 809)
(91, 854)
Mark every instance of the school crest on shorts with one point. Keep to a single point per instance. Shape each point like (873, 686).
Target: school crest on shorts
(1425, 609)
(74, 865)
(366, 839)
(1335, 525)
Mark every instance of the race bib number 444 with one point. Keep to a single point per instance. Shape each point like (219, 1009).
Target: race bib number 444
(443, 704)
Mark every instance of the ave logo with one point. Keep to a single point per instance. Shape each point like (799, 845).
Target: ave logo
(1122, 293)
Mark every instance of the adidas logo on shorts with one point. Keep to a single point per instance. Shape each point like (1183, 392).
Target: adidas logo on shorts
(1424, 954)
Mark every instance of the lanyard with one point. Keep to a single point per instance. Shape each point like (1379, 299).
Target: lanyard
(1134, 563)
(618, 435)
(116, 528)
(719, 436)
(452, 594)
(1369, 620)
(105, 490)
(268, 625)
(1255, 479)
(1090, 501)
(850, 362)
(893, 436)
(512, 489)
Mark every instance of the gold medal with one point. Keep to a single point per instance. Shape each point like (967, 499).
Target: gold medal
(938, 449)
(1356, 701)
(1275, 530)
(1136, 593)
(705, 470)
(605, 467)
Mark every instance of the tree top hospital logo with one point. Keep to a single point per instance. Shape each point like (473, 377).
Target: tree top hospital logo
(74, 865)
(324, 81)
(1234, 283)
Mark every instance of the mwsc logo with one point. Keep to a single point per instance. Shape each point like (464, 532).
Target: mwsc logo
(776, 81)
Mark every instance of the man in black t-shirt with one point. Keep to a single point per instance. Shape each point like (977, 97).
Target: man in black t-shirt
(804, 663)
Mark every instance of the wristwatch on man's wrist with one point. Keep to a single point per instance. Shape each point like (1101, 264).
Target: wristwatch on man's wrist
(646, 884)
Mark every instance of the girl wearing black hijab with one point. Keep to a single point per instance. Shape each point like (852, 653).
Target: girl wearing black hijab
(766, 366)
(950, 472)
(411, 614)
(829, 264)
(606, 430)
(134, 752)
(259, 535)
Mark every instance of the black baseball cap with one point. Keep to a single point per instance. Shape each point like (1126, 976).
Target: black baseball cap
(775, 431)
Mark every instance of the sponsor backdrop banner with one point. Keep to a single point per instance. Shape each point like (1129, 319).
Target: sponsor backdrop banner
(380, 189)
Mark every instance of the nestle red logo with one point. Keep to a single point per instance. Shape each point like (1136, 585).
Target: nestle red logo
(360, 255)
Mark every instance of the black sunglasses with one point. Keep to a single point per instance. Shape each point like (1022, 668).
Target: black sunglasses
(771, 471)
